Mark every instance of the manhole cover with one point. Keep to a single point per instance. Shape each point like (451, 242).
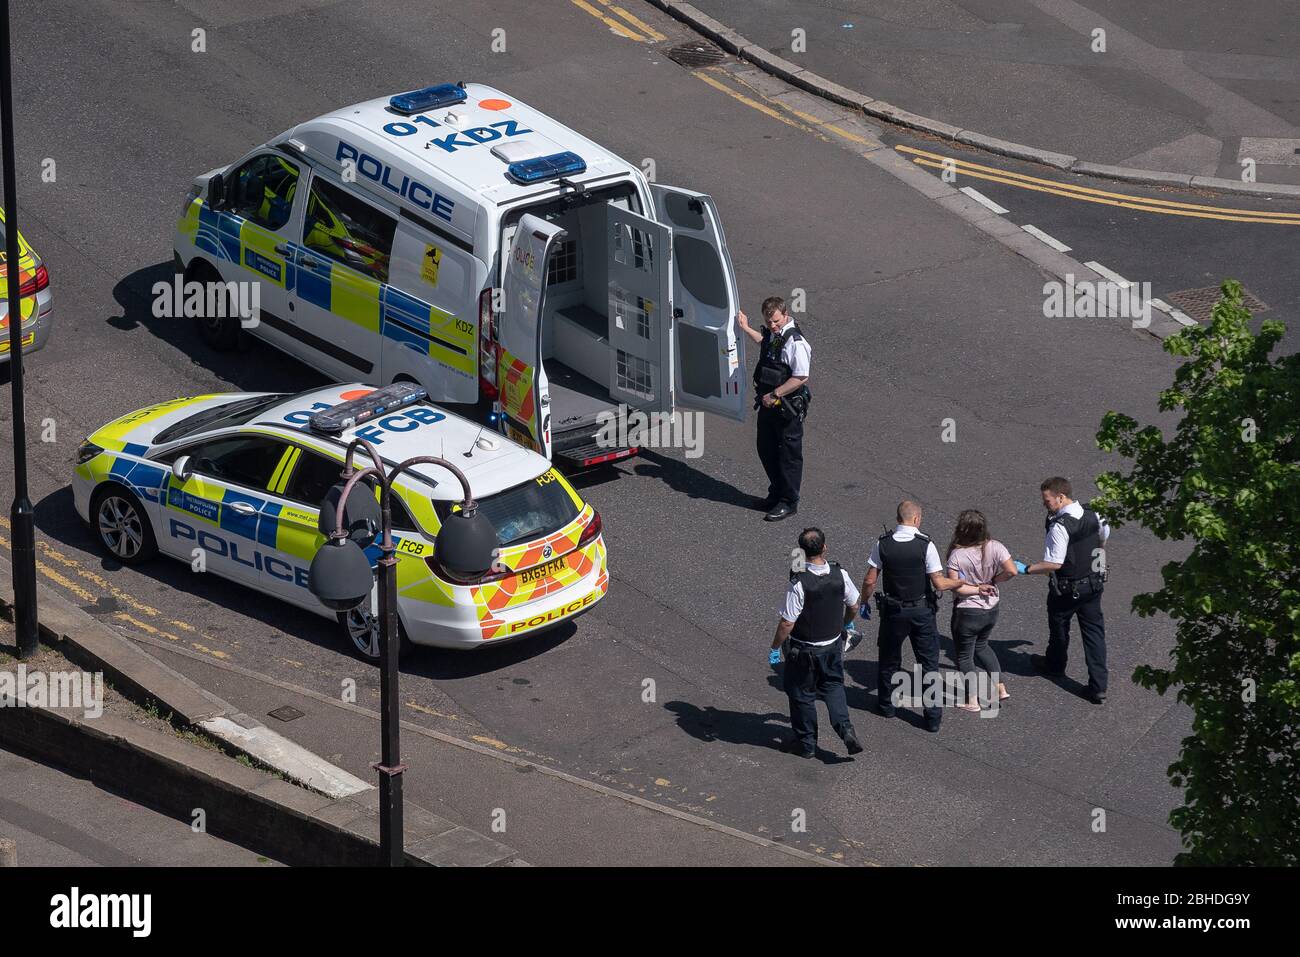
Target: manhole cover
(1199, 303)
(696, 53)
(286, 712)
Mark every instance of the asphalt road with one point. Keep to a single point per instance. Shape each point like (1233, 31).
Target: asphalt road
(915, 318)
(1177, 86)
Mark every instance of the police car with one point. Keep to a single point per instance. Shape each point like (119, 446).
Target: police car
(232, 484)
(37, 304)
(458, 238)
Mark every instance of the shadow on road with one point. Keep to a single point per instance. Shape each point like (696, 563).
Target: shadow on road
(681, 477)
(273, 371)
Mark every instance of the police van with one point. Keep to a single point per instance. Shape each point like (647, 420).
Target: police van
(460, 239)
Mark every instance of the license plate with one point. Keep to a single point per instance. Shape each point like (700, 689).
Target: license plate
(541, 571)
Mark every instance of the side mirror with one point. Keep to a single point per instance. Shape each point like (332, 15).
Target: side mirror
(216, 191)
(182, 469)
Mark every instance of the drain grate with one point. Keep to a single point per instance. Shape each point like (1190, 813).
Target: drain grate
(1199, 303)
(696, 53)
(286, 712)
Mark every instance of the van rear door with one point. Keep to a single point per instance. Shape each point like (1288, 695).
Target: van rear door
(525, 400)
(640, 306)
(709, 356)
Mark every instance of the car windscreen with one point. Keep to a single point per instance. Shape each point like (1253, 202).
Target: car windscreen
(533, 510)
(222, 416)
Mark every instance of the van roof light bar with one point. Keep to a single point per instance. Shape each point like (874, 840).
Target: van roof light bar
(345, 415)
(546, 167)
(429, 98)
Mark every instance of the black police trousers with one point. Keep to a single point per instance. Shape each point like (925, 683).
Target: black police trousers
(918, 624)
(812, 673)
(780, 449)
(1092, 627)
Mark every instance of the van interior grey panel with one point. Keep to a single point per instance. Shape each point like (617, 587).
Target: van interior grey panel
(576, 401)
(576, 350)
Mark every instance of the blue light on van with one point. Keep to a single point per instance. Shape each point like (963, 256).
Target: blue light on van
(430, 98)
(546, 167)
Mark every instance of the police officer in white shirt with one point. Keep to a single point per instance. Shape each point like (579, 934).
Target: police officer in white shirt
(1074, 560)
(909, 599)
(819, 603)
(781, 395)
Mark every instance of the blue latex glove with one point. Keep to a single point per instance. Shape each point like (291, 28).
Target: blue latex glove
(1020, 567)
(864, 610)
(774, 657)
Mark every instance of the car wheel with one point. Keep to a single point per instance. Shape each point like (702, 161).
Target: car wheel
(122, 525)
(362, 629)
(219, 332)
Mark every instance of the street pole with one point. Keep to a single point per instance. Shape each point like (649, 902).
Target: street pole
(22, 516)
(391, 841)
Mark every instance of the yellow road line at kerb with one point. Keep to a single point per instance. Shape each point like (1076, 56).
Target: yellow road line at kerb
(1132, 203)
(637, 22)
(969, 168)
(752, 104)
(806, 117)
(610, 22)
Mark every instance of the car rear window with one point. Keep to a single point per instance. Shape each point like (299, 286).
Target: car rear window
(534, 509)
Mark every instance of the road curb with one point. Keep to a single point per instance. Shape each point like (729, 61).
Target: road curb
(335, 822)
(793, 73)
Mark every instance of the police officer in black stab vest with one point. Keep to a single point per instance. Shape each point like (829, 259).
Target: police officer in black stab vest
(781, 397)
(819, 603)
(908, 602)
(1073, 560)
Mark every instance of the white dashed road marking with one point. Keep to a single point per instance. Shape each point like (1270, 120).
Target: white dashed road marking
(983, 200)
(1109, 274)
(1055, 243)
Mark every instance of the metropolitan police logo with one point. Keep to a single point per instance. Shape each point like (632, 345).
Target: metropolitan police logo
(547, 551)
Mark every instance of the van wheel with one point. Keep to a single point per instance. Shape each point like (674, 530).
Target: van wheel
(219, 332)
(362, 630)
(122, 525)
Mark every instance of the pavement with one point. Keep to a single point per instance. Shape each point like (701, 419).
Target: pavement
(60, 819)
(1184, 86)
(917, 314)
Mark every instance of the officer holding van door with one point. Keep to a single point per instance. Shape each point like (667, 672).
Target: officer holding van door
(819, 603)
(781, 396)
(1073, 562)
(908, 602)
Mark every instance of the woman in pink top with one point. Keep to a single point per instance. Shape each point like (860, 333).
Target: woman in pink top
(977, 559)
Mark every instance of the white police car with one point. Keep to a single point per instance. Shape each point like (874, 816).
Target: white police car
(380, 232)
(232, 484)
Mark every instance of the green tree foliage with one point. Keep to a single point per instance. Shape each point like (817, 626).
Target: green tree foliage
(1229, 481)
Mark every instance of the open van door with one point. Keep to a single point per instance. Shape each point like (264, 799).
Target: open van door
(638, 252)
(709, 356)
(525, 399)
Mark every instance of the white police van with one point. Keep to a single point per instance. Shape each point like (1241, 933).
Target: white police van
(381, 233)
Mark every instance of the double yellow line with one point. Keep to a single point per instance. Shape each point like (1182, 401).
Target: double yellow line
(1089, 195)
(646, 34)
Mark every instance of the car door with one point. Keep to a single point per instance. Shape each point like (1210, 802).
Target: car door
(256, 226)
(521, 378)
(343, 263)
(221, 512)
(708, 355)
(298, 491)
(640, 307)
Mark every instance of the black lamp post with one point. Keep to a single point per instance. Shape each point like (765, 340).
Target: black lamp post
(22, 516)
(340, 577)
